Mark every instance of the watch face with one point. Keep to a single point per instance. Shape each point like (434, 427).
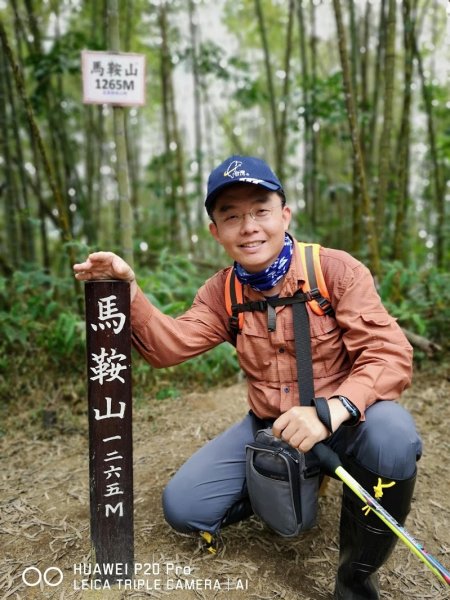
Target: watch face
(352, 409)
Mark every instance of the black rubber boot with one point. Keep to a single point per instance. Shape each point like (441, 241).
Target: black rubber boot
(365, 541)
(238, 512)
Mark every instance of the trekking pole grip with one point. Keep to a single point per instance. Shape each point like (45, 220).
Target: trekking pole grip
(328, 458)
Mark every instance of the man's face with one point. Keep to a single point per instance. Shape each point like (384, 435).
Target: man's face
(253, 242)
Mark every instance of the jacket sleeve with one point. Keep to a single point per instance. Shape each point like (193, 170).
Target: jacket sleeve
(164, 341)
(380, 354)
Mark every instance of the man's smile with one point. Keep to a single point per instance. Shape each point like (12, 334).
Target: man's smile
(252, 244)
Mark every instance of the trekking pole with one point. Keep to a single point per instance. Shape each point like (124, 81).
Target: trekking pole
(331, 461)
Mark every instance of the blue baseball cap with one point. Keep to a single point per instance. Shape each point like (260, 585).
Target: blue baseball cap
(240, 169)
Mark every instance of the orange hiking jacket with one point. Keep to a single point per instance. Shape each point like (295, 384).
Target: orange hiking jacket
(360, 352)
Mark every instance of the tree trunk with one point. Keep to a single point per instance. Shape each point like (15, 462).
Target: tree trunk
(180, 180)
(378, 78)
(361, 67)
(374, 257)
(418, 341)
(7, 189)
(35, 182)
(354, 50)
(388, 119)
(364, 66)
(91, 168)
(270, 85)
(21, 192)
(283, 133)
(198, 129)
(165, 71)
(315, 198)
(132, 130)
(435, 167)
(126, 215)
(306, 110)
(399, 250)
(52, 106)
(57, 196)
(176, 149)
(90, 205)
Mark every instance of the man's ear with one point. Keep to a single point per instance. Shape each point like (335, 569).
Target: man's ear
(214, 231)
(287, 215)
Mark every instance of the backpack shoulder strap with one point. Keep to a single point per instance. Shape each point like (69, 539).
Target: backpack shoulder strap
(234, 296)
(314, 279)
(314, 290)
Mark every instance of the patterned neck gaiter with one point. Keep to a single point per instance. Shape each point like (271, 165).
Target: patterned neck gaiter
(269, 277)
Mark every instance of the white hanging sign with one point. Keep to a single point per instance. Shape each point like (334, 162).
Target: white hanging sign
(113, 78)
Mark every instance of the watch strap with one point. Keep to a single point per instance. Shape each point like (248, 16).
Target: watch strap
(354, 412)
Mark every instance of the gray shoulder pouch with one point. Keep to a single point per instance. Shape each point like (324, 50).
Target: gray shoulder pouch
(283, 490)
(283, 483)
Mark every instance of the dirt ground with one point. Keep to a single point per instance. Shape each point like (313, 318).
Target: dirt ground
(44, 511)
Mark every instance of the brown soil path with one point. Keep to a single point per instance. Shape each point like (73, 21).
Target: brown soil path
(44, 511)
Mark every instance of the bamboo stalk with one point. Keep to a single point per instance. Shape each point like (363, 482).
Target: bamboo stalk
(372, 242)
(125, 212)
(35, 131)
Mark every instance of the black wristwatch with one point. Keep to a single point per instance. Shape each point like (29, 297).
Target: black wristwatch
(352, 410)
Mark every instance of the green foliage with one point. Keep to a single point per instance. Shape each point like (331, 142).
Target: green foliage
(43, 335)
(329, 104)
(418, 298)
(36, 318)
(172, 284)
(171, 287)
(42, 339)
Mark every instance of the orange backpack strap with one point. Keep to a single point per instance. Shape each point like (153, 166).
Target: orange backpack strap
(314, 281)
(234, 296)
(314, 292)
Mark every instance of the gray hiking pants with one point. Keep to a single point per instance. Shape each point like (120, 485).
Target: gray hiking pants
(213, 479)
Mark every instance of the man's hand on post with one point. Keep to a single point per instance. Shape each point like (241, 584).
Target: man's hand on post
(106, 265)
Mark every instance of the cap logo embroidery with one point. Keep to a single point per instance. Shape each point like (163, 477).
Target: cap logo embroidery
(232, 170)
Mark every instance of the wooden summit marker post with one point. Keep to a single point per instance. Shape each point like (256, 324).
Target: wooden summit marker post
(108, 334)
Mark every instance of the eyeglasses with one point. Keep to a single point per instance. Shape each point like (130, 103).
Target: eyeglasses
(232, 220)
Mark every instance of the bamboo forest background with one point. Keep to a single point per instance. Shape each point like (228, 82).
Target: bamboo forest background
(347, 99)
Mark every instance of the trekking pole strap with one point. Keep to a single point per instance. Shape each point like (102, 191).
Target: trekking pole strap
(323, 412)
